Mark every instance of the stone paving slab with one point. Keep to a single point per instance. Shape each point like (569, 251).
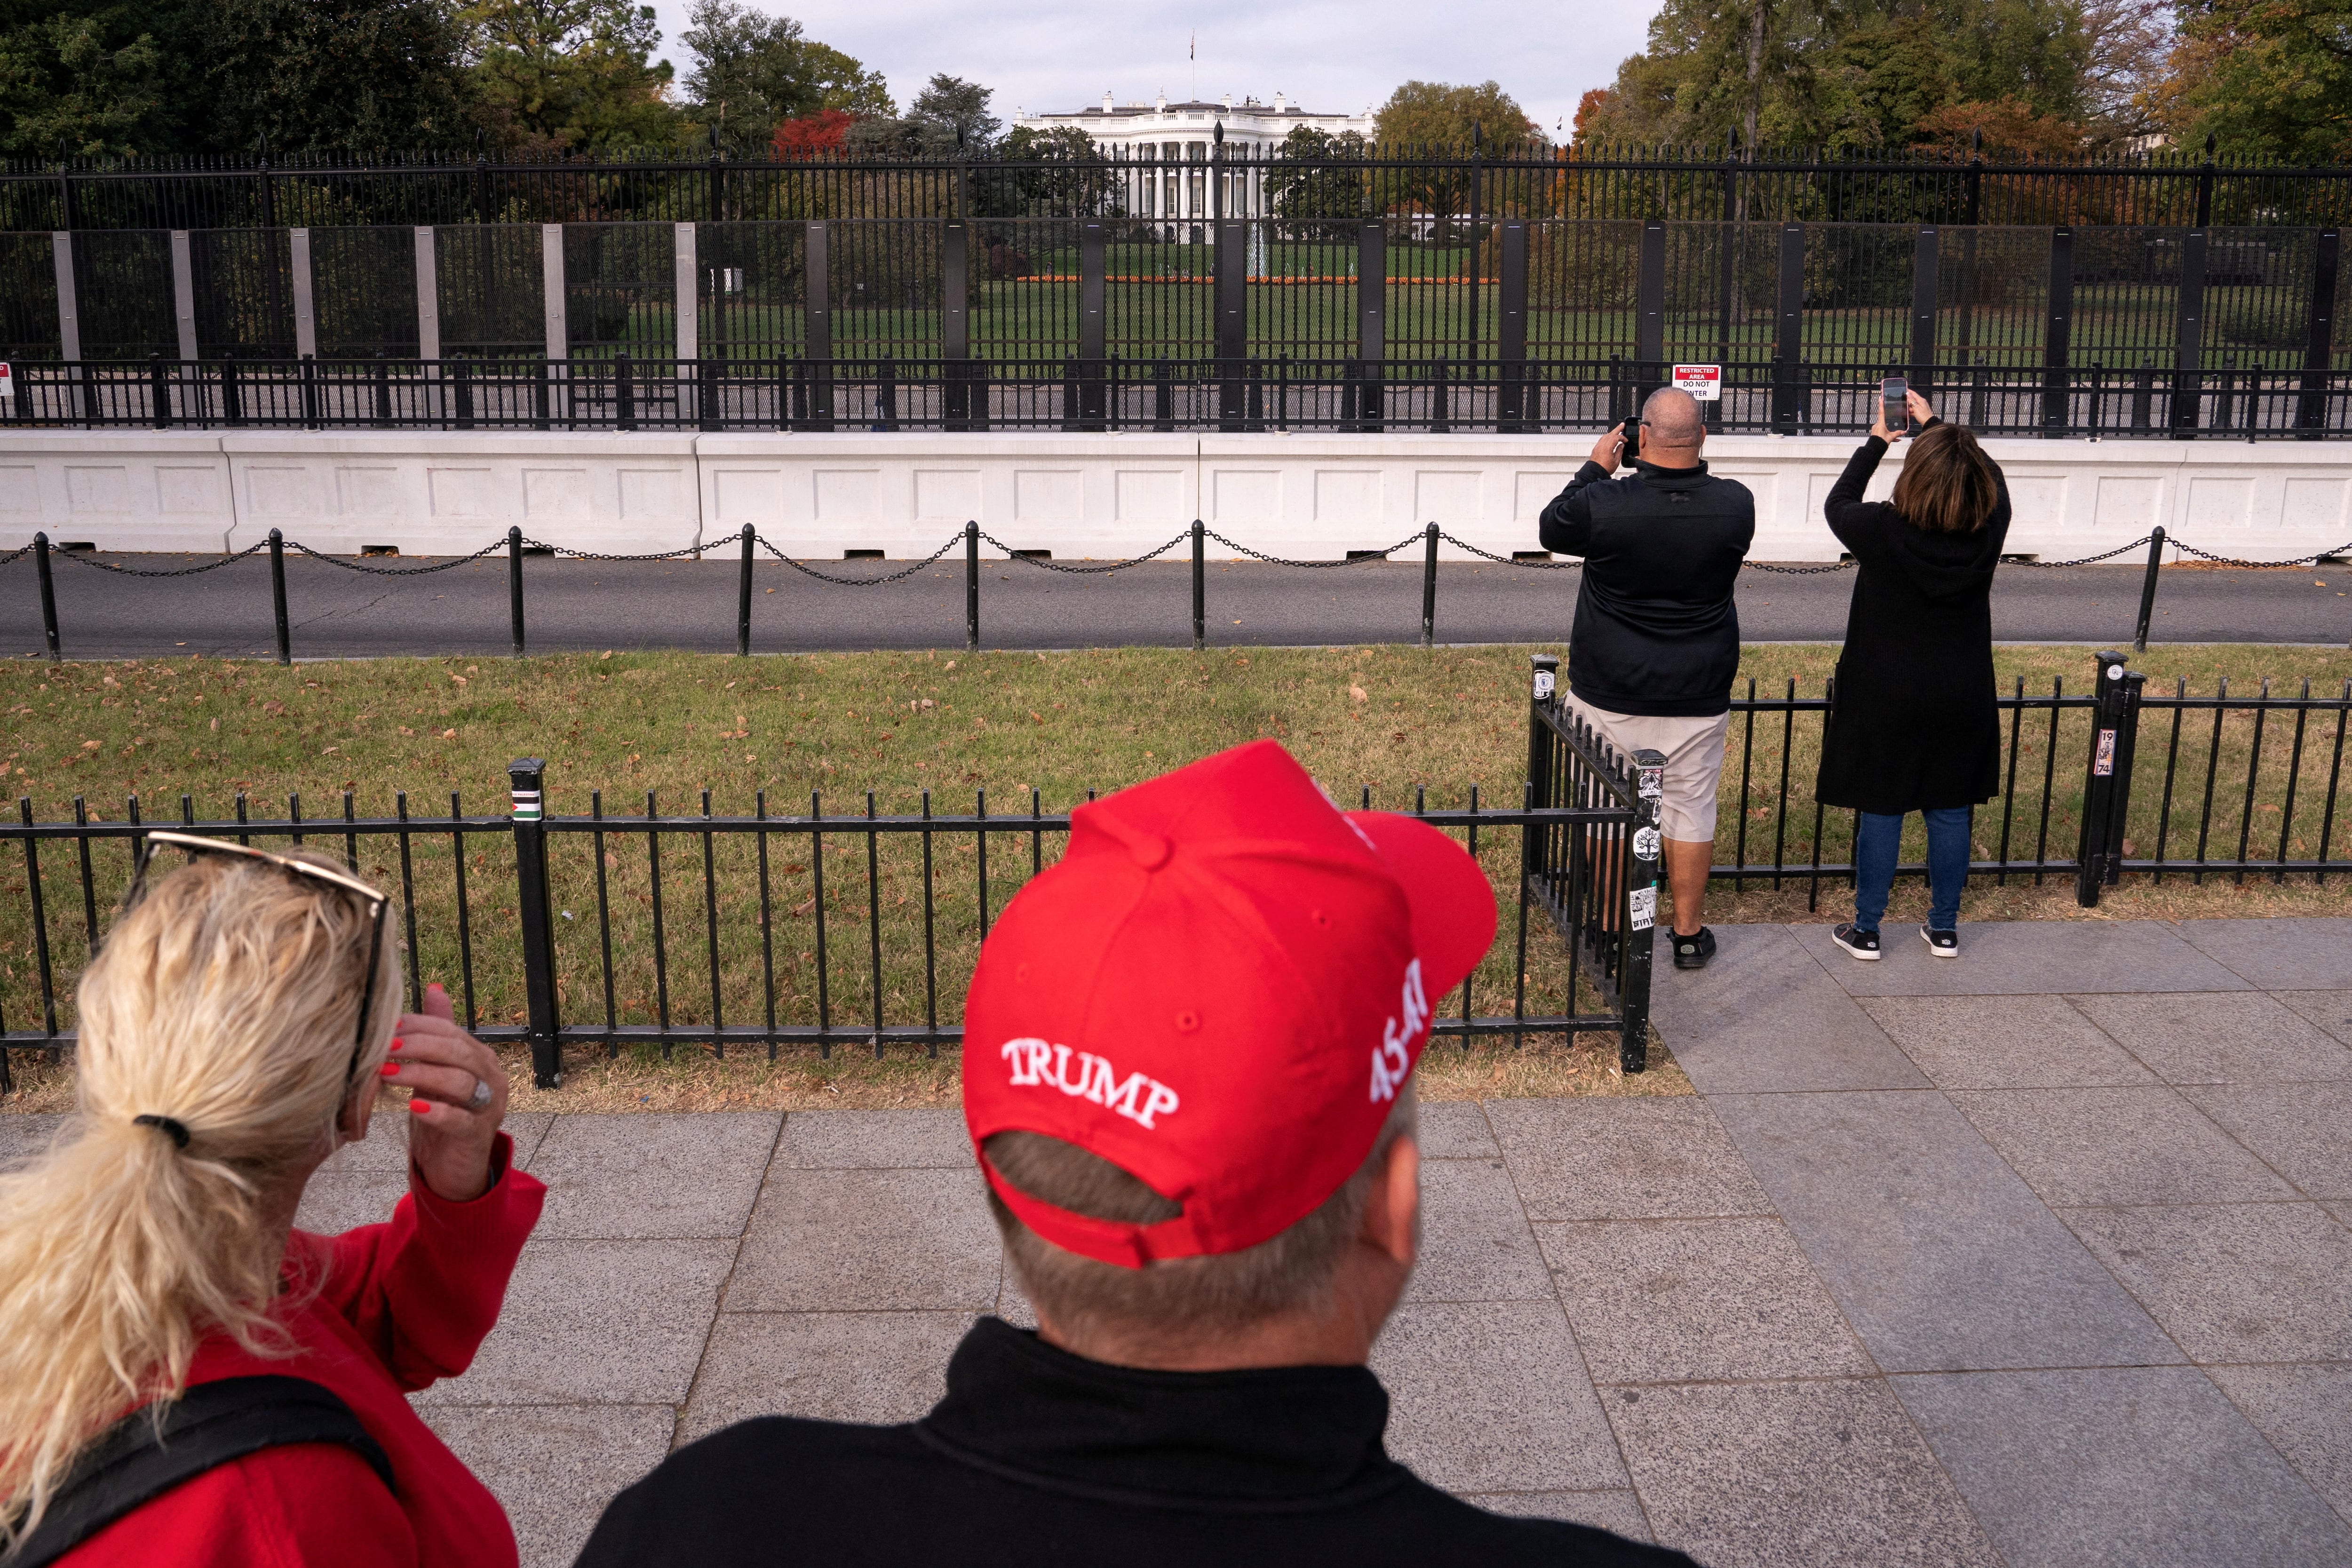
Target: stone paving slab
(2288, 954)
(642, 1176)
(2120, 1467)
(2220, 1039)
(2078, 1146)
(2027, 958)
(2236, 1282)
(2302, 1130)
(1643, 1158)
(555, 1466)
(1758, 1018)
(2330, 1011)
(828, 1366)
(2306, 1412)
(2005, 1042)
(1942, 1258)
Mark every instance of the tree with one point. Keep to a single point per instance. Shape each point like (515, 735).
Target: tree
(571, 75)
(929, 129)
(89, 76)
(2264, 78)
(753, 71)
(1314, 198)
(813, 135)
(1432, 114)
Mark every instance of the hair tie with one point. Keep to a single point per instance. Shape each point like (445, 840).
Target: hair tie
(178, 1131)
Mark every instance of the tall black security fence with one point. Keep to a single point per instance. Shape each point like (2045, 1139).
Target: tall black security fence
(1384, 280)
(631, 924)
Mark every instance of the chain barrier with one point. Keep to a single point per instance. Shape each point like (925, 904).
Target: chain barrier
(79, 558)
(393, 571)
(1508, 560)
(1044, 565)
(1355, 559)
(697, 551)
(1799, 571)
(858, 582)
(16, 554)
(2086, 561)
(2342, 549)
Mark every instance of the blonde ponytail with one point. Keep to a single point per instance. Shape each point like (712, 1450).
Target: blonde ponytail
(222, 1008)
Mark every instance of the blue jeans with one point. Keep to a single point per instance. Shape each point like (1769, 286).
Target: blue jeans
(1878, 840)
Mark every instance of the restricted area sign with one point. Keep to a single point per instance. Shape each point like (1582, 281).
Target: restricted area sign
(1704, 382)
(7, 387)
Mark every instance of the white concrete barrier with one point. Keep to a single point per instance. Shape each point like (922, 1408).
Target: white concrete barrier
(1103, 497)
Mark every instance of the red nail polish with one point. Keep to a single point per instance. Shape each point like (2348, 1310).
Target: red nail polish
(389, 1070)
(420, 1105)
(397, 1042)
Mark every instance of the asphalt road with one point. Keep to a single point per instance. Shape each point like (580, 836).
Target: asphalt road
(591, 605)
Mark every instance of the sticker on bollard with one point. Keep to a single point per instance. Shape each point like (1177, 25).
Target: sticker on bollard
(526, 805)
(1543, 684)
(1644, 907)
(2104, 765)
(1704, 382)
(1654, 783)
(1647, 842)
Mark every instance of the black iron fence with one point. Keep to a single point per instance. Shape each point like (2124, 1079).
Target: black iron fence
(2106, 779)
(627, 392)
(597, 931)
(2143, 295)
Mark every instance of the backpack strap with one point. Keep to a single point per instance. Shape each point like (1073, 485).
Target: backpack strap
(210, 1424)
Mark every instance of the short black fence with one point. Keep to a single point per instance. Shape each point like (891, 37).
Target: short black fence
(2106, 779)
(748, 543)
(2109, 398)
(597, 931)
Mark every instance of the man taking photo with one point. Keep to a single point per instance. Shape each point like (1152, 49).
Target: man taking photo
(1188, 1075)
(1656, 638)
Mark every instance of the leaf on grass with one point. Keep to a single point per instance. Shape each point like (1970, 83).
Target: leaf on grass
(1359, 693)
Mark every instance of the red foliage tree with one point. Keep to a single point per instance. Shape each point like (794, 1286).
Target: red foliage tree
(813, 135)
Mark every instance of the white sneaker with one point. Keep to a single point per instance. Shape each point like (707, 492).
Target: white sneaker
(1942, 944)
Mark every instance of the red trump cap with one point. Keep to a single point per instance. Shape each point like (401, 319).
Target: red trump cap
(1220, 989)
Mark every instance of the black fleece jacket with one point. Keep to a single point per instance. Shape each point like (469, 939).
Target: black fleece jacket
(1038, 1458)
(1657, 631)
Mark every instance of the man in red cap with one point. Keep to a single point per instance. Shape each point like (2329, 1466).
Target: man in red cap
(1188, 1073)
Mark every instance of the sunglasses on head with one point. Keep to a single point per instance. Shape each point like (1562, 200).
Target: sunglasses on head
(377, 903)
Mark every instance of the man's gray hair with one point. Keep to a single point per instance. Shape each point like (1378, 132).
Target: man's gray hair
(1672, 419)
(1182, 1298)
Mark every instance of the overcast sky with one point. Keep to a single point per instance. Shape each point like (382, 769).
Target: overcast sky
(1326, 55)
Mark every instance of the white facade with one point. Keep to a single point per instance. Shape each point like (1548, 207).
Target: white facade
(1182, 139)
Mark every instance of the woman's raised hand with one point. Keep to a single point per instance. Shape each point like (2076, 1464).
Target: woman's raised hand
(449, 1135)
(1917, 406)
(1914, 404)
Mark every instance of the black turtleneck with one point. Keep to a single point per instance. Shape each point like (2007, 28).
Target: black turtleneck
(1043, 1460)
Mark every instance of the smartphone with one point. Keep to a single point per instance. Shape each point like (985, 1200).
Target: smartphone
(1633, 440)
(1891, 394)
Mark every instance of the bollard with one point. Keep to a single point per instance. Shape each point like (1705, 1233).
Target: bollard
(48, 593)
(514, 585)
(2147, 588)
(277, 596)
(972, 587)
(625, 394)
(526, 780)
(1200, 588)
(160, 394)
(2106, 783)
(1429, 589)
(743, 598)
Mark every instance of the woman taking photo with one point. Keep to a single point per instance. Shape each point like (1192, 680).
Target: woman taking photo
(1914, 727)
(234, 1032)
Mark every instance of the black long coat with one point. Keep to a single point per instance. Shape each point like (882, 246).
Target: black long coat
(1915, 727)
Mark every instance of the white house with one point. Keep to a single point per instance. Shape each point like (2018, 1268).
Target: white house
(1177, 141)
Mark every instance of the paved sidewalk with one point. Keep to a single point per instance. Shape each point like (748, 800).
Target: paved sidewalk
(2043, 1256)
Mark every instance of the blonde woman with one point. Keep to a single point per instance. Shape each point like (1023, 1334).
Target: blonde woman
(234, 1031)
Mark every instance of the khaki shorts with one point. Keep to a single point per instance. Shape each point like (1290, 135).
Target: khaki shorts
(1693, 754)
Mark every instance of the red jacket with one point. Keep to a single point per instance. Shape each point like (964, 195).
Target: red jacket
(403, 1304)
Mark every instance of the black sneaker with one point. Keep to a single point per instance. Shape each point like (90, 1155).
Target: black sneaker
(1942, 944)
(1693, 951)
(1863, 944)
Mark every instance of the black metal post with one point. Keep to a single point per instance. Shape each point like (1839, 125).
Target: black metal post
(1788, 342)
(1511, 330)
(49, 594)
(310, 374)
(955, 318)
(2147, 587)
(1925, 287)
(1639, 915)
(1164, 395)
(1429, 587)
(1093, 268)
(818, 329)
(2319, 340)
(158, 395)
(514, 585)
(624, 393)
(2057, 344)
(705, 394)
(2098, 785)
(527, 779)
(277, 596)
(743, 596)
(1233, 337)
(1650, 310)
(462, 384)
(972, 587)
(1199, 586)
(1372, 319)
(2189, 356)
